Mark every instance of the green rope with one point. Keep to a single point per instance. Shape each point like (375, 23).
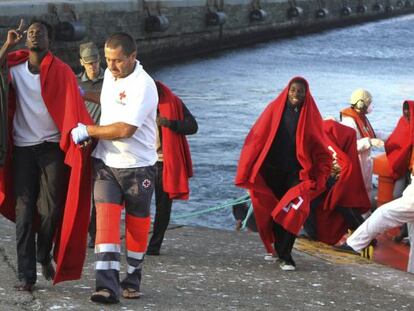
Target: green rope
(242, 199)
(249, 213)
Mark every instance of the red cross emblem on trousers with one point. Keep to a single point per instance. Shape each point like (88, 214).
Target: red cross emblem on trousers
(122, 95)
(146, 183)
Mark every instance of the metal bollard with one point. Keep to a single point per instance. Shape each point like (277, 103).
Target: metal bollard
(257, 15)
(346, 11)
(156, 23)
(215, 18)
(70, 31)
(361, 9)
(378, 7)
(294, 12)
(321, 13)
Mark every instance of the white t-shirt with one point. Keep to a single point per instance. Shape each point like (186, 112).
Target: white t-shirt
(132, 100)
(32, 123)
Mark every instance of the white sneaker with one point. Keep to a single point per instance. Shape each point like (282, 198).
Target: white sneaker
(270, 257)
(285, 266)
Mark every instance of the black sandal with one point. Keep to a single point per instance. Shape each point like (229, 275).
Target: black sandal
(104, 296)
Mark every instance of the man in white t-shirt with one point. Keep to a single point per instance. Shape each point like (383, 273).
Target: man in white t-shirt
(45, 105)
(124, 167)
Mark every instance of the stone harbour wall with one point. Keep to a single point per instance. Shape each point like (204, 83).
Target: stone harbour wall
(172, 29)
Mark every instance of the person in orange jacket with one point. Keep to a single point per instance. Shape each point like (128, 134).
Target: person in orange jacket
(355, 117)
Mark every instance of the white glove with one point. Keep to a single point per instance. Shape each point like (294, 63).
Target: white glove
(79, 133)
(376, 142)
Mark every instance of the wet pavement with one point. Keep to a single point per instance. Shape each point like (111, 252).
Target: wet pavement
(210, 269)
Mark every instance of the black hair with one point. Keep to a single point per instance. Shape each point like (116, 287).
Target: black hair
(405, 106)
(301, 81)
(50, 31)
(123, 40)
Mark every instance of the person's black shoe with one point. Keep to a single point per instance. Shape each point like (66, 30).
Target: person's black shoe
(48, 271)
(153, 252)
(344, 247)
(24, 287)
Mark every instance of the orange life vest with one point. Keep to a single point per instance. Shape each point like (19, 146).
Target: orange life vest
(364, 127)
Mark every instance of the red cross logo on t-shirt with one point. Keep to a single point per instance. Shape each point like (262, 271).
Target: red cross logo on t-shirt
(146, 183)
(122, 95)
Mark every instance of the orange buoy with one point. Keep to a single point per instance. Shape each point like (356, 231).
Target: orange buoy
(385, 180)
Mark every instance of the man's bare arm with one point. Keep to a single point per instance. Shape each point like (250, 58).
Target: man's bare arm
(117, 130)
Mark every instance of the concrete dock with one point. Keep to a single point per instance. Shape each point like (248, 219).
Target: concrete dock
(206, 269)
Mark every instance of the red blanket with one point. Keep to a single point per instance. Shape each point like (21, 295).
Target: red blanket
(292, 209)
(400, 143)
(348, 191)
(61, 95)
(177, 158)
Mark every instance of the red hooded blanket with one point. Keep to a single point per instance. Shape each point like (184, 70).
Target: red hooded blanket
(348, 191)
(177, 158)
(400, 143)
(292, 209)
(62, 98)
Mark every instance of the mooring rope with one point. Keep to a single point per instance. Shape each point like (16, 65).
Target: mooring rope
(243, 199)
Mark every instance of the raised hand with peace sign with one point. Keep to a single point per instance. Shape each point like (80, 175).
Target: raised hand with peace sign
(14, 36)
